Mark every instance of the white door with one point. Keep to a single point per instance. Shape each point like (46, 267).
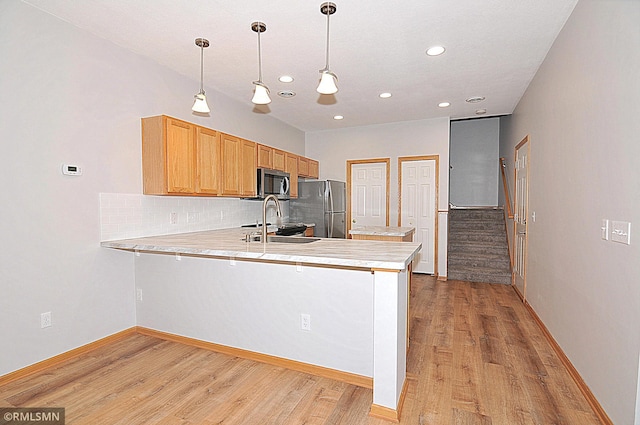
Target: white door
(418, 209)
(369, 194)
(520, 216)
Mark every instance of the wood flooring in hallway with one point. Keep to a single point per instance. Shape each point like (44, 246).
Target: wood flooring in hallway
(476, 357)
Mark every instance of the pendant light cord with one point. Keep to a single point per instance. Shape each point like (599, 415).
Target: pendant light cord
(259, 57)
(328, 14)
(201, 67)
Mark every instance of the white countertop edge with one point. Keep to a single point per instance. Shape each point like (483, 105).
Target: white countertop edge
(193, 244)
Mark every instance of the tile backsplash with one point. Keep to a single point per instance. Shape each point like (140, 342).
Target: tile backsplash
(125, 216)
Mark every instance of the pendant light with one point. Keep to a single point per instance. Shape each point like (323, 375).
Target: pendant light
(261, 91)
(200, 104)
(327, 78)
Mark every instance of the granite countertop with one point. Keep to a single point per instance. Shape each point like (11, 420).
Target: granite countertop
(230, 243)
(382, 231)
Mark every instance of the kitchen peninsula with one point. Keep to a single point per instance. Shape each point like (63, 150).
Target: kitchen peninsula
(333, 307)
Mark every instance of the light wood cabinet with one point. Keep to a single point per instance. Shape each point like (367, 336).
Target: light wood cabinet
(279, 160)
(239, 164)
(231, 152)
(291, 167)
(208, 157)
(248, 174)
(308, 167)
(265, 156)
(178, 158)
(303, 166)
(314, 168)
(181, 158)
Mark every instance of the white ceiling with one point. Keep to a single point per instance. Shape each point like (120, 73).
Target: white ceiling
(494, 48)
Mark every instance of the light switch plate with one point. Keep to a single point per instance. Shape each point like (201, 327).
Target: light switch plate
(621, 232)
(604, 230)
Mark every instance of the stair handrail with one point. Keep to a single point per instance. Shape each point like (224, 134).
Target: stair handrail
(505, 186)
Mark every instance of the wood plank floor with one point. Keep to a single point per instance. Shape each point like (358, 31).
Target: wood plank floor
(476, 357)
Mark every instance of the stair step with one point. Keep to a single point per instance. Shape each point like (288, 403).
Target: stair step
(466, 262)
(478, 250)
(479, 237)
(490, 277)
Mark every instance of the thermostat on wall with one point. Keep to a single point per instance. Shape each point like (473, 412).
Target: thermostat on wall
(71, 170)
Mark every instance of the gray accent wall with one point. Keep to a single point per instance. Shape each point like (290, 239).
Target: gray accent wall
(581, 113)
(474, 171)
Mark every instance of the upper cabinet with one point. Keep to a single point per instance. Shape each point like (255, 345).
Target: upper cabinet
(239, 165)
(279, 159)
(303, 166)
(265, 156)
(291, 167)
(208, 159)
(314, 168)
(181, 158)
(308, 167)
(248, 175)
(177, 158)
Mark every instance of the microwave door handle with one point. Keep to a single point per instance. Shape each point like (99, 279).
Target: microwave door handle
(285, 186)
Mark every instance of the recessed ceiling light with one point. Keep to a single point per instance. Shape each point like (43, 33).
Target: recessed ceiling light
(385, 95)
(286, 93)
(475, 99)
(444, 104)
(435, 50)
(285, 78)
(481, 111)
(338, 117)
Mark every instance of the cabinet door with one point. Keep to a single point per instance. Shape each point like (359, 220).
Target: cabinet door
(265, 156)
(303, 166)
(208, 161)
(279, 160)
(292, 169)
(314, 168)
(248, 174)
(180, 145)
(231, 154)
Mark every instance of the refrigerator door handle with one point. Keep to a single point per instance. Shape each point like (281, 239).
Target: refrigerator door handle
(330, 195)
(331, 217)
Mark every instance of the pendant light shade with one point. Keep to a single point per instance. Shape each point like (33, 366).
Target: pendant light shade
(327, 83)
(328, 79)
(200, 103)
(261, 91)
(260, 94)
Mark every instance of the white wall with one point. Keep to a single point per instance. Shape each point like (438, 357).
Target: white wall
(69, 97)
(257, 307)
(473, 176)
(410, 138)
(581, 114)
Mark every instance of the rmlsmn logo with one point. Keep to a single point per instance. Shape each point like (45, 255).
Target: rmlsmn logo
(31, 415)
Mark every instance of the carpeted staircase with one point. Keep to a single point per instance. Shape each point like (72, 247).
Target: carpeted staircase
(478, 250)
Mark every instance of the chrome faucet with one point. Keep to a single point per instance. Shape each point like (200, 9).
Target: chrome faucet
(264, 214)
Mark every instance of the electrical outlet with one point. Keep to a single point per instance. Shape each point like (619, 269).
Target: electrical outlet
(305, 322)
(173, 218)
(45, 319)
(138, 294)
(193, 217)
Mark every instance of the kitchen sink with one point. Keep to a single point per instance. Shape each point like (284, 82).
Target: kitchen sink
(287, 239)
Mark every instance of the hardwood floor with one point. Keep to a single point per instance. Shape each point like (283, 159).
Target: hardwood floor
(476, 357)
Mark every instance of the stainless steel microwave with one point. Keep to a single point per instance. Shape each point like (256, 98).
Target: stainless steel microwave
(273, 182)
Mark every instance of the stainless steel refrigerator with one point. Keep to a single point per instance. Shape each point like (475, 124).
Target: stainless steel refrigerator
(322, 202)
